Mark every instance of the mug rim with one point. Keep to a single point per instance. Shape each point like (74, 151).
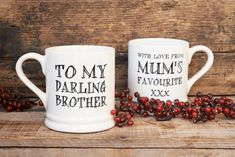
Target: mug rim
(79, 49)
(148, 42)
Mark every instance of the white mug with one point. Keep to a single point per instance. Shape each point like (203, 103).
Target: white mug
(158, 67)
(80, 85)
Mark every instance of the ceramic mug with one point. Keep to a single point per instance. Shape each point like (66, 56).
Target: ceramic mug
(80, 85)
(158, 67)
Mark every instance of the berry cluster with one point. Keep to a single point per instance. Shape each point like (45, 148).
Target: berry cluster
(124, 117)
(11, 102)
(202, 108)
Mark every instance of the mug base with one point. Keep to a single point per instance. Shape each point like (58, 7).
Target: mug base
(79, 128)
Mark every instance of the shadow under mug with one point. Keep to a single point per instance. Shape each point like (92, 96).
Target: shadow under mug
(158, 67)
(80, 87)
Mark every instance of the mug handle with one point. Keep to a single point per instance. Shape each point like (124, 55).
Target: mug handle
(25, 80)
(204, 69)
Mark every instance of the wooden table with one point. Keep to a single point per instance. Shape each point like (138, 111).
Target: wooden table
(24, 134)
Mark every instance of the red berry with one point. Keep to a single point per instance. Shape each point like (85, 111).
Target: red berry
(226, 111)
(168, 103)
(147, 105)
(177, 109)
(143, 100)
(214, 110)
(137, 94)
(128, 116)
(228, 102)
(9, 108)
(130, 122)
(176, 101)
(199, 103)
(232, 113)
(219, 109)
(129, 97)
(196, 99)
(205, 99)
(135, 107)
(207, 110)
(194, 114)
(114, 112)
(159, 108)
(40, 103)
(19, 106)
(158, 101)
(193, 104)
(195, 110)
(181, 104)
(223, 97)
(117, 120)
(129, 104)
(189, 109)
(221, 101)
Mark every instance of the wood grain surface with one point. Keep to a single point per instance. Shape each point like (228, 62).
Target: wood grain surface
(32, 25)
(26, 129)
(220, 79)
(95, 152)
